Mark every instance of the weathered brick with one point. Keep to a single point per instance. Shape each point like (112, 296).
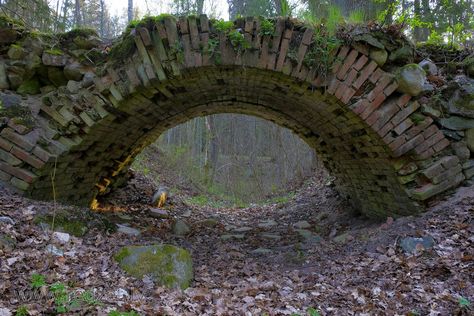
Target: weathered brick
(432, 140)
(429, 190)
(364, 74)
(17, 139)
(410, 145)
(442, 144)
(361, 62)
(27, 157)
(42, 154)
(22, 174)
(19, 184)
(9, 158)
(5, 176)
(5, 144)
(403, 126)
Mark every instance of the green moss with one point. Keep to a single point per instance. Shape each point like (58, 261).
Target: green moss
(64, 223)
(6, 21)
(122, 49)
(169, 265)
(223, 26)
(54, 51)
(84, 32)
(20, 114)
(267, 28)
(238, 41)
(31, 86)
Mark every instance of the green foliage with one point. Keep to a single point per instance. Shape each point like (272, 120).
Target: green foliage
(61, 297)
(356, 17)
(37, 281)
(310, 312)
(177, 50)
(223, 26)
(267, 28)
(22, 311)
(464, 302)
(334, 19)
(54, 51)
(286, 10)
(319, 52)
(238, 41)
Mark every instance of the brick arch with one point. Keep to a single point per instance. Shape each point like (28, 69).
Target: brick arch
(384, 161)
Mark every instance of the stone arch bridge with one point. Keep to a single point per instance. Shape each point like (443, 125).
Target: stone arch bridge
(344, 100)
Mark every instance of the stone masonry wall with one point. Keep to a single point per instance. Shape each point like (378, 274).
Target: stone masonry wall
(374, 121)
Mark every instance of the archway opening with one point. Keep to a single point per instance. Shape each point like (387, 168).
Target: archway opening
(229, 160)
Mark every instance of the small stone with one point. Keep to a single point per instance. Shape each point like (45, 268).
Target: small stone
(409, 244)
(7, 220)
(73, 71)
(121, 293)
(158, 213)
(54, 250)
(261, 251)
(412, 80)
(209, 222)
(5, 312)
(271, 236)
(187, 213)
(232, 236)
(429, 111)
(302, 225)
(457, 123)
(380, 56)
(73, 86)
(242, 229)
(180, 228)
(127, 230)
(63, 238)
(461, 150)
(429, 67)
(343, 238)
(267, 224)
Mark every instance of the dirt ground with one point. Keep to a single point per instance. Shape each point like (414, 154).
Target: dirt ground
(309, 256)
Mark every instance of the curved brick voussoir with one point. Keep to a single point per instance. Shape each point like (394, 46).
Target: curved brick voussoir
(386, 158)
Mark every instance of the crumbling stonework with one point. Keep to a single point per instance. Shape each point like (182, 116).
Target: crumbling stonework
(385, 147)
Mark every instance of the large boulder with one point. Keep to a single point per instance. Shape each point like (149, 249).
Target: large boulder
(412, 80)
(54, 57)
(170, 266)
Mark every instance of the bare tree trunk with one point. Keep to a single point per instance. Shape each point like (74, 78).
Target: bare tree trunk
(77, 14)
(102, 19)
(130, 10)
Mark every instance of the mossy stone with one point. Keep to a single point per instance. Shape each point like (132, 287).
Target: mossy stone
(169, 265)
(411, 79)
(379, 56)
(16, 52)
(64, 224)
(31, 86)
(56, 76)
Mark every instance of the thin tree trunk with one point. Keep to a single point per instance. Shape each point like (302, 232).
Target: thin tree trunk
(130, 10)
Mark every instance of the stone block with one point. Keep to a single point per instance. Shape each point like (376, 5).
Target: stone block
(17, 139)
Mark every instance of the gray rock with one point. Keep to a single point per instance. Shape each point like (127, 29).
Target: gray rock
(73, 86)
(267, 224)
(159, 213)
(429, 111)
(128, 230)
(34, 45)
(470, 139)
(3, 76)
(7, 220)
(302, 225)
(55, 58)
(63, 238)
(461, 150)
(180, 228)
(15, 76)
(16, 52)
(88, 79)
(261, 251)
(54, 251)
(209, 222)
(409, 244)
(232, 236)
(429, 67)
(270, 236)
(168, 265)
(74, 71)
(3, 310)
(453, 134)
(343, 238)
(457, 123)
(243, 229)
(380, 56)
(412, 80)
(86, 42)
(469, 173)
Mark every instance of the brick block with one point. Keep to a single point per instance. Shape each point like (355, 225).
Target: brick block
(432, 140)
(429, 190)
(21, 174)
(403, 126)
(27, 157)
(360, 62)
(17, 139)
(5, 144)
(410, 145)
(5, 176)
(442, 144)
(9, 158)
(42, 154)
(364, 74)
(19, 184)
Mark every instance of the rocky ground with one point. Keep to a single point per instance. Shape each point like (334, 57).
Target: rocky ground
(309, 256)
